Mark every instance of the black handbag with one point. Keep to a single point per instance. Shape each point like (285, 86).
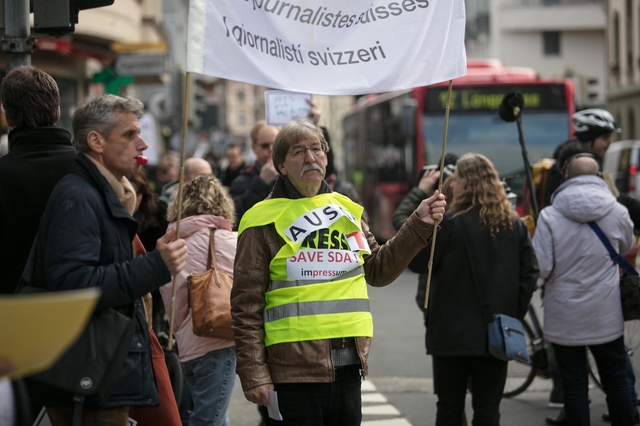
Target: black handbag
(89, 369)
(629, 279)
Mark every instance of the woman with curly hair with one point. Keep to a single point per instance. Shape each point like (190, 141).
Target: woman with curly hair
(209, 363)
(482, 242)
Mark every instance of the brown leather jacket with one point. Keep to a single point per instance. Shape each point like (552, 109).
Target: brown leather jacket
(307, 361)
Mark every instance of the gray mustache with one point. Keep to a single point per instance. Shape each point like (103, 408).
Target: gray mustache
(309, 167)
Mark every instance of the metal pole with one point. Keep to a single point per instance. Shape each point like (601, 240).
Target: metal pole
(17, 43)
(527, 169)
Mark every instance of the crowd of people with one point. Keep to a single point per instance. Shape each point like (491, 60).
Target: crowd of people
(82, 211)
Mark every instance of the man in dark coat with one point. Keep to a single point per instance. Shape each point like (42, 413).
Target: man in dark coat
(85, 240)
(39, 155)
(255, 182)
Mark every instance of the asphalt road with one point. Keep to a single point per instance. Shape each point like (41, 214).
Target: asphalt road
(399, 389)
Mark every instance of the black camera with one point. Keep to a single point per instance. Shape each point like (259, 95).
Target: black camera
(448, 170)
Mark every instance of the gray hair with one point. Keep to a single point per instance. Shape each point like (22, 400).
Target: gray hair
(292, 133)
(98, 114)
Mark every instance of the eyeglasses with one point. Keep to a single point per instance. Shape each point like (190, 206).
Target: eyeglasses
(299, 152)
(266, 145)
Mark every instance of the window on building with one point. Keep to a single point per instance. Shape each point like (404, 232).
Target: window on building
(241, 95)
(551, 43)
(615, 67)
(629, 37)
(630, 130)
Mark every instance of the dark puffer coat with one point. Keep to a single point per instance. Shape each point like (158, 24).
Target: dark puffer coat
(85, 240)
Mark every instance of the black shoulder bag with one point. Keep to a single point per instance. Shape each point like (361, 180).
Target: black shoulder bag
(89, 369)
(629, 279)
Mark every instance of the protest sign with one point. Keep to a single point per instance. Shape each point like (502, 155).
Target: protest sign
(281, 106)
(328, 47)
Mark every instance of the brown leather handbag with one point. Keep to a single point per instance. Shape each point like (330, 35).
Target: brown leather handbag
(210, 299)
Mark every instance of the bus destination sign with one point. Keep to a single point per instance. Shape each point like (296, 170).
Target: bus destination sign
(487, 98)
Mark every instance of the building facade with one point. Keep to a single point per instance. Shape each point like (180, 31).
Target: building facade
(623, 62)
(558, 38)
(83, 62)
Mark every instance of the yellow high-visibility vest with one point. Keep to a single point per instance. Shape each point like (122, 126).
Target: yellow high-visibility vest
(317, 289)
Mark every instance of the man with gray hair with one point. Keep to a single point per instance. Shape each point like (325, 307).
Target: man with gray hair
(582, 288)
(85, 240)
(300, 306)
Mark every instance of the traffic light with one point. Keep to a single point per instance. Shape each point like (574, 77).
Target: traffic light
(58, 17)
(198, 101)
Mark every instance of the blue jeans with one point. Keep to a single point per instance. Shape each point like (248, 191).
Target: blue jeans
(451, 376)
(611, 362)
(322, 404)
(210, 379)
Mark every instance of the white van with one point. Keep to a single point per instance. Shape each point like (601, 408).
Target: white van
(621, 162)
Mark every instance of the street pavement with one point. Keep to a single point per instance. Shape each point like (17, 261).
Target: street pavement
(402, 401)
(399, 388)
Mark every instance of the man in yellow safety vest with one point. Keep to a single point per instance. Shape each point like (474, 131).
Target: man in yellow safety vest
(299, 304)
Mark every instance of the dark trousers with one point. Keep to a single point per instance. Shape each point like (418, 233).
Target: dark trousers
(611, 362)
(322, 404)
(452, 374)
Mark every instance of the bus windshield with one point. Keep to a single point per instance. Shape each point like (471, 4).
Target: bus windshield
(485, 133)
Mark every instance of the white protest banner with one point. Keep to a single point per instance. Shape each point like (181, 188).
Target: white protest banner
(328, 47)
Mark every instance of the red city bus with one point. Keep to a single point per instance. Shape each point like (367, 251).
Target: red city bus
(389, 137)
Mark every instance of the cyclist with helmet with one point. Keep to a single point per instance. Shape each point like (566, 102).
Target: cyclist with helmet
(595, 127)
(593, 131)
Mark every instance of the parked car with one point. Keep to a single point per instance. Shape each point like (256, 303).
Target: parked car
(621, 162)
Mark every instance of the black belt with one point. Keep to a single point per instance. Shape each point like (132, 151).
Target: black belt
(343, 342)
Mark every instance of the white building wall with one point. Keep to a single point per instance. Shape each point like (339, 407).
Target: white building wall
(516, 38)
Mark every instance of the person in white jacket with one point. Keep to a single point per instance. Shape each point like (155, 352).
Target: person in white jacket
(209, 363)
(581, 293)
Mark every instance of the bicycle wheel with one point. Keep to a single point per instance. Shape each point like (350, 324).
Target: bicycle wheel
(519, 374)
